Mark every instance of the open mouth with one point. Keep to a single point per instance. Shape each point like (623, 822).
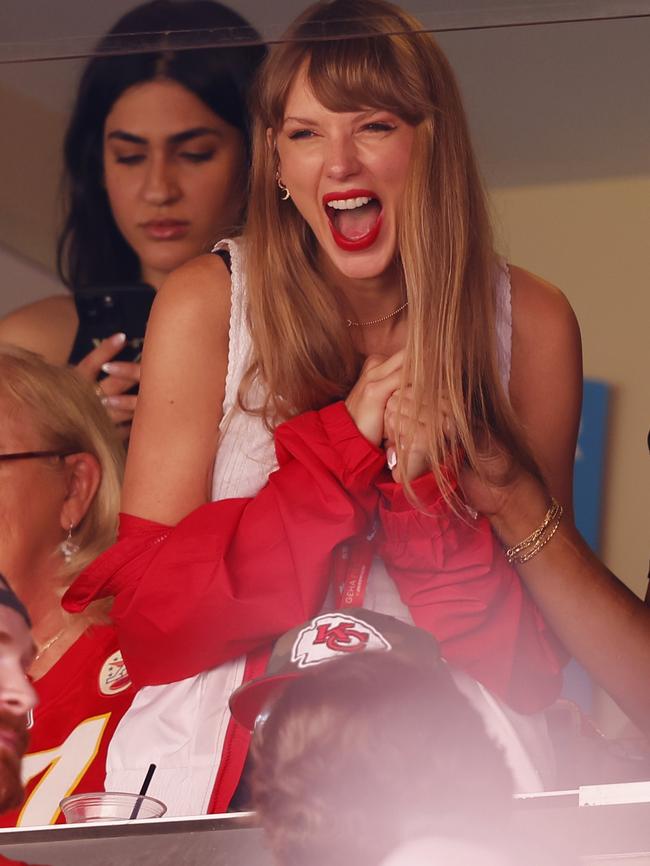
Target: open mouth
(355, 218)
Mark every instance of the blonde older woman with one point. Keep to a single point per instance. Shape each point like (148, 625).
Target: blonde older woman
(60, 475)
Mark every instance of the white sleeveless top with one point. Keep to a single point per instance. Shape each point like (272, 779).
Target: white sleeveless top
(181, 726)
(246, 456)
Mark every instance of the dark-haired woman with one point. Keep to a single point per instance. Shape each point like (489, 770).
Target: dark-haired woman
(156, 164)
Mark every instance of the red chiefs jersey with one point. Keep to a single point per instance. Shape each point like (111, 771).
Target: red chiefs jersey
(81, 701)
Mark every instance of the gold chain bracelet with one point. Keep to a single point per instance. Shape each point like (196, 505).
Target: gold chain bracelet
(533, 543)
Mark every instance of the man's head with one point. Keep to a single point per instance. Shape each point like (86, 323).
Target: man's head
(363, 753)
(17, 696)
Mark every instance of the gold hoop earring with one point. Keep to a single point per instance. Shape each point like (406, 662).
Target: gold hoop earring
(285, 195)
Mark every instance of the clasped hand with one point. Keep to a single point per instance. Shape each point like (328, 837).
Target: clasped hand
(385, 413)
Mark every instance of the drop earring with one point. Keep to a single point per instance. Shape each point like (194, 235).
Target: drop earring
(68, 548)
(285, 195)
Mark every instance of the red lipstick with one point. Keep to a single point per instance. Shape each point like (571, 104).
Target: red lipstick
(349, 193)
(357, 244)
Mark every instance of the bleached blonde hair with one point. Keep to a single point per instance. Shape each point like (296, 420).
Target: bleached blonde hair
(69, 417)
(359, 54)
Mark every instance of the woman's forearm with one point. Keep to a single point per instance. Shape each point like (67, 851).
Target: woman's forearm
(599, 620)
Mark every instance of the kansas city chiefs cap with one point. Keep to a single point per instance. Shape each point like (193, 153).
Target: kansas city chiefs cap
(328, 636)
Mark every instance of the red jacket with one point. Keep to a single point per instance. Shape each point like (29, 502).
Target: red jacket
(236, 573)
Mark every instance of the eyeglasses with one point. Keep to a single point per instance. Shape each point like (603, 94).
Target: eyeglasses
(31, 455)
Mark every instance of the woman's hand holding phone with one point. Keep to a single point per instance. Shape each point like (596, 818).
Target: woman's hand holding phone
(121, 377)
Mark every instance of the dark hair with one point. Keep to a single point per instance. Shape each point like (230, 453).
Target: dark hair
(91, 249)
(366, 752)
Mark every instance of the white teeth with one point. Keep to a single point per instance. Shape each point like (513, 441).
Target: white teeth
(348, 203)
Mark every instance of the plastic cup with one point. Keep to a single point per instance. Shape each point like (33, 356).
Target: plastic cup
(109, 806)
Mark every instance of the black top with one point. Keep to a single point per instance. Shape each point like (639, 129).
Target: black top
(109, 310)
(225, 255)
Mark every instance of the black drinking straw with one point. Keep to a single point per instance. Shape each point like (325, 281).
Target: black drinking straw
(143, 791)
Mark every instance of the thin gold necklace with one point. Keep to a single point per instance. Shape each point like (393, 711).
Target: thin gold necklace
(48, 644)
(352, 324)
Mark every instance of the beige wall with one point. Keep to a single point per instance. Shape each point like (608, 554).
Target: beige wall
(591, 239)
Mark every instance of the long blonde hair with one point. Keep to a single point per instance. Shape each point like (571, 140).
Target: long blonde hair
(356, 54)
(67, 413)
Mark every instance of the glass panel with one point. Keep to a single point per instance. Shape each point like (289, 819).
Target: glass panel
(71, 28)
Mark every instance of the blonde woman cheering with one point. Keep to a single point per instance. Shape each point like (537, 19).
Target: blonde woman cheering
(323, 378)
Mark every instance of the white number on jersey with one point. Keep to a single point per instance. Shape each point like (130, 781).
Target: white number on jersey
(65, 766)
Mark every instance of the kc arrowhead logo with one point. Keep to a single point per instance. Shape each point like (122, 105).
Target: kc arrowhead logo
(114, 677)
(335, 634)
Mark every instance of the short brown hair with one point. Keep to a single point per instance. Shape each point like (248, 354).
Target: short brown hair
(366, 752)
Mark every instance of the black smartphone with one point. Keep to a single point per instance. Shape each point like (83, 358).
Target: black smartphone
(108, 310)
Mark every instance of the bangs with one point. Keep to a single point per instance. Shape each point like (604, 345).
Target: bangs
(363, 72)
(353, 73)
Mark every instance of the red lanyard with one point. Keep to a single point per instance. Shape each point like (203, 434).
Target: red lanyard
(351, 568)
